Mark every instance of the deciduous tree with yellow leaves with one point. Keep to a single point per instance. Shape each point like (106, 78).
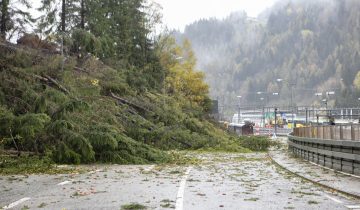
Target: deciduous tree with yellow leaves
(182, 79)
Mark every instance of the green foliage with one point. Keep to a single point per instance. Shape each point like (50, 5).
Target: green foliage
(103, 138)
(22, 131)
(14, 17)
(84, 42)
(71, 106)
(29, 127)
(133, 206)
(29, 165)
(85, 124)
(7, 122)
(256, 143)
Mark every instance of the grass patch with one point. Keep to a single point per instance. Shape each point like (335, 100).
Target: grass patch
(251, 199)
(32, 165)
(42, 205)
(133, 206)
(312, 202)
(182, 158)
(166, 203)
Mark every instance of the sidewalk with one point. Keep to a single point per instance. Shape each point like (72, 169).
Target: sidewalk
(347, 184)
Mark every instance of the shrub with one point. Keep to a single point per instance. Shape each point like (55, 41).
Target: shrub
(256, 143)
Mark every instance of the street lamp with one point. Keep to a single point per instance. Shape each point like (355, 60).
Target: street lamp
(328, 94)
(292, 85)
(239, 97)
(275, 113)
(325, 102)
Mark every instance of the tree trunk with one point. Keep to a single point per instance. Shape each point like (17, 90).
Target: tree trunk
(4, 14)
(63, 16)
(82, 14)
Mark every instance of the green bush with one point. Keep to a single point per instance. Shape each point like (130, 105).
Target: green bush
(256, 143)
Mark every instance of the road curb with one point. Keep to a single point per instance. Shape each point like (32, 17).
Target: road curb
(312, 181)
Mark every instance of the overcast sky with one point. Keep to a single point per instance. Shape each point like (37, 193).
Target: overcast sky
(179, 13)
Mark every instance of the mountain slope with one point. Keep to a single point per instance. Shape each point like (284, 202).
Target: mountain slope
(85, 111)
(313, 45)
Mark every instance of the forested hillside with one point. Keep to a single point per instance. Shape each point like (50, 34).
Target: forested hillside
(313, 46)
(91, 84)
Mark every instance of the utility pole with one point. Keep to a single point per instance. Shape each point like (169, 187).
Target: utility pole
(275, 112)
(239, 111)
(292, 104)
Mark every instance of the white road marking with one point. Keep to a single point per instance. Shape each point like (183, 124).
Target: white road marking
(181, 192)
(353, 206)
(64, 183)
(12, 205)
(334, 199)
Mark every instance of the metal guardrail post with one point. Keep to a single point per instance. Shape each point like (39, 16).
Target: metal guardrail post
(352, 133)
(332, 132)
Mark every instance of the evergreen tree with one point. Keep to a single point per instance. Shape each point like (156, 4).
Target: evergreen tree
(14, 17)
(62, 16)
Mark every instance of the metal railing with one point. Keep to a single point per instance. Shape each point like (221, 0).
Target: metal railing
(335, 132)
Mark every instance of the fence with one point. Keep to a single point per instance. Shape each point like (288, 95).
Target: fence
(336, 132)
(336, 147)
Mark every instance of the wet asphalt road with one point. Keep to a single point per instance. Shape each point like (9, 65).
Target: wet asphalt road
(221, 181)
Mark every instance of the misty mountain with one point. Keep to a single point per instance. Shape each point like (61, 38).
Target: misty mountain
(312, 46)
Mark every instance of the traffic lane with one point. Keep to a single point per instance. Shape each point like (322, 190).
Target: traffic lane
(106, 188)
(253, 182)
(15, 187)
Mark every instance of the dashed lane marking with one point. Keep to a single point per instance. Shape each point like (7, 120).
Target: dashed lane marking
(12, 205)
(181, 191)
(64, 183)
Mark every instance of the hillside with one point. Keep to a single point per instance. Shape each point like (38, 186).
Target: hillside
(88, 112)
(313, 45)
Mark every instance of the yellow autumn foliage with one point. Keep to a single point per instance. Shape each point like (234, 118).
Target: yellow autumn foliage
(182, 79)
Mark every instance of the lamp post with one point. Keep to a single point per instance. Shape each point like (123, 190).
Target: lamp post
(275, 112)
(239, 113)
(264, 100)
(328, 94)
(263, 111)
(291, 85)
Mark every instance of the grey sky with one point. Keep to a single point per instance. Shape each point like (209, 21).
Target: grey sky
(179, 13)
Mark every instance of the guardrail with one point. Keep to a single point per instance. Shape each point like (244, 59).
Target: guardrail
(336, 132)
(336, 147)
